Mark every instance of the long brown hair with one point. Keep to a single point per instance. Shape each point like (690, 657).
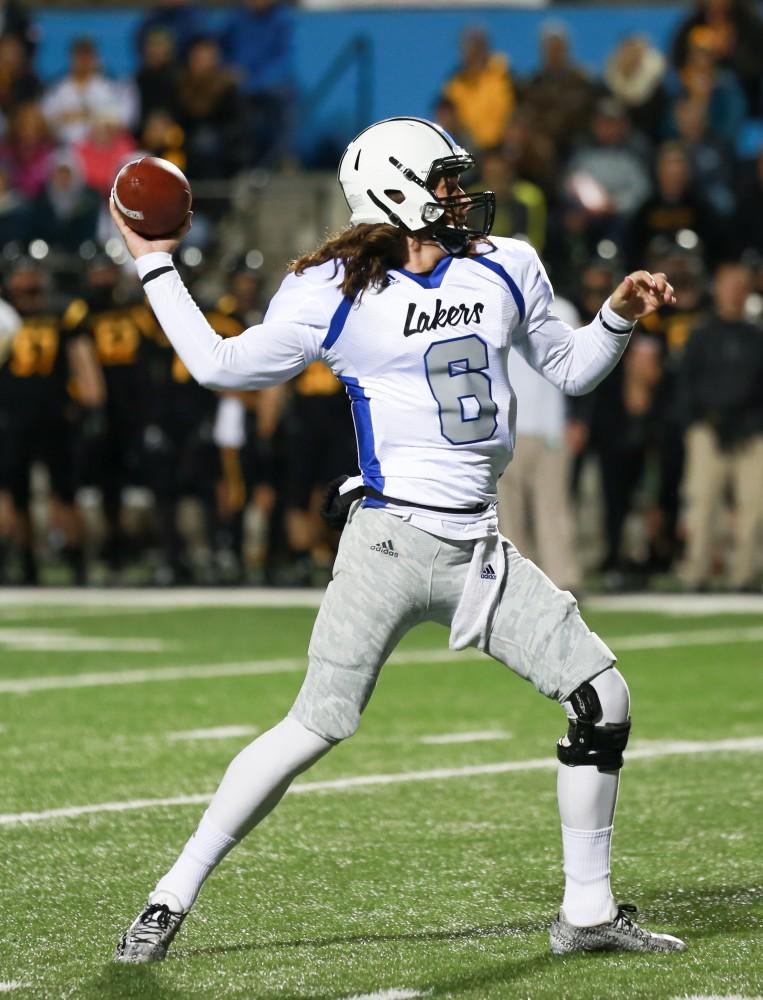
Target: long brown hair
(366, 251)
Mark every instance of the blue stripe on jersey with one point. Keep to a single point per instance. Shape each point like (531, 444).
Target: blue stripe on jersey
(434, 278)
(337, 322)
(513, 287)
(364, 432)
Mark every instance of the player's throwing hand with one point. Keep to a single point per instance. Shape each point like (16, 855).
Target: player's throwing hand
(139, 246)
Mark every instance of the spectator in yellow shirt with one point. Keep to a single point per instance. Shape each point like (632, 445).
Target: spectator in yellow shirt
(481, 90)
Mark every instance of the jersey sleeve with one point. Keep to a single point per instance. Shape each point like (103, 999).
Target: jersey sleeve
(574, 360)
(263, 355)
(310, 298)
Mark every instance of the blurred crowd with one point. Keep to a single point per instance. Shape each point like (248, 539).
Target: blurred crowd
(657, 162)
(213, 104)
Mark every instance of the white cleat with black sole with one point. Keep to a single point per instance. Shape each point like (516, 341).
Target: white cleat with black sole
(620, 934)
(151, 933)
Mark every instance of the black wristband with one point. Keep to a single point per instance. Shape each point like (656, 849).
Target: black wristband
(155, 273)
(613, 329)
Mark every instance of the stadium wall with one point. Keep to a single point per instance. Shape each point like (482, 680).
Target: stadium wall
(412, 52)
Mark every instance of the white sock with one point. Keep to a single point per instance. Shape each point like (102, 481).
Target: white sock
(587, 799)
(588, 898)
(254, 783)
(206, 848)
(258, 777)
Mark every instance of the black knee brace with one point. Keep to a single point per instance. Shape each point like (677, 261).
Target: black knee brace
(589, 744)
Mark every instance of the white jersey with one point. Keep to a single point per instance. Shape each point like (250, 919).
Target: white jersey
(424, 361)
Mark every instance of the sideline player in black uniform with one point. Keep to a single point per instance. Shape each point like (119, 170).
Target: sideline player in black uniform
(183, 458)
(121, 327)
(320, 443)
(49, 374)
(261, 458)
(673, 326)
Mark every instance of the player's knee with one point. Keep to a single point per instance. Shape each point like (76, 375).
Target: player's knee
(331, 726)
(332, 710)
(599, 723)
(614, 697)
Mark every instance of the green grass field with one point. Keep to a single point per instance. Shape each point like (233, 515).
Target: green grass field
(431, 885)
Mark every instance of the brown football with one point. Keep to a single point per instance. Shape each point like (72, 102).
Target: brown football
(153, 196)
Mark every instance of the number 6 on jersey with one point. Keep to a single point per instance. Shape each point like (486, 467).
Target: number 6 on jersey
(456, 372)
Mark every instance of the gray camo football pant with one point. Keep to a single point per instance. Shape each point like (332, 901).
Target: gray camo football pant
(380, 591)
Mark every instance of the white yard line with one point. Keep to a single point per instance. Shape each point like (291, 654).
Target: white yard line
(11, 984)
(714, 996)
(294, 664)
(393, 994)
(67, 641)
(644, 751)
(627, 643)
(58, 682)
(700, 637)
(483, 735)
(263, 597)
(191, 597)
(678, 604)
(217, 733)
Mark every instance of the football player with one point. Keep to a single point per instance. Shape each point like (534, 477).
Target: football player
(318, 447)
(120, 325)
(415, 309)
(183, 459)
(49, 373)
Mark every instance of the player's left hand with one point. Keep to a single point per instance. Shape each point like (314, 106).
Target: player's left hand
(640, 294)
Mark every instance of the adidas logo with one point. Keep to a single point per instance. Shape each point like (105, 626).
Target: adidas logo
(386, 548)
(488, 573)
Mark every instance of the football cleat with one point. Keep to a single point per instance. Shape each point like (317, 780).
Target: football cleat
(620, 934)
(149, 936)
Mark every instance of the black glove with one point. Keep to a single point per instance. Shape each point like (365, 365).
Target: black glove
(336, 505)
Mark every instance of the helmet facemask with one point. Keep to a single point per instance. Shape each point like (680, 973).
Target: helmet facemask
(452, 221)
(459, 219)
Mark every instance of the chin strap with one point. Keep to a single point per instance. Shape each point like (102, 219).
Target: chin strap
(453, 241)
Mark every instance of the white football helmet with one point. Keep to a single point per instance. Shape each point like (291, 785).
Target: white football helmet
(389, 173)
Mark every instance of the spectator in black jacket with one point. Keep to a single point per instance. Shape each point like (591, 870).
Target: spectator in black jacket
(674, 206)
(748, 227)
(617, 423)
(155, 79)
(18, 81)
(210, 109)
(178, 18)
(721, 380)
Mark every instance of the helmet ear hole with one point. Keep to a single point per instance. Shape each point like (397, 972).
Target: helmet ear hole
(397, 196)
